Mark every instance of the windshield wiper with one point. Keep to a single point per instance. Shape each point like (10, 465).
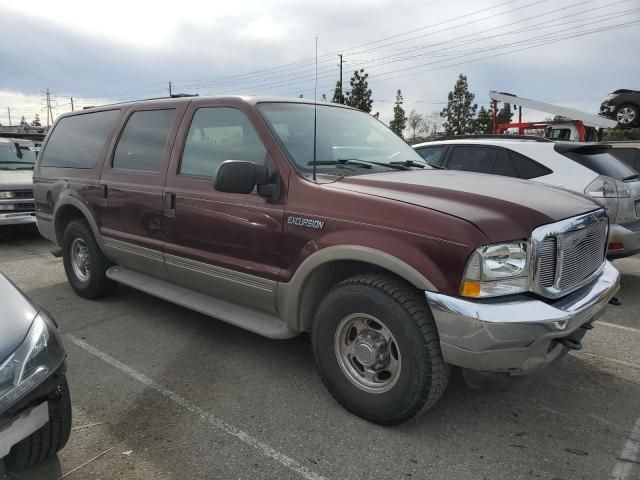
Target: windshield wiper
(394, 165)
(410, 163)
(342, 161)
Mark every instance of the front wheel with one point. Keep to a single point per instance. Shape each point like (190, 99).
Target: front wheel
(627, 115)
(377, 349)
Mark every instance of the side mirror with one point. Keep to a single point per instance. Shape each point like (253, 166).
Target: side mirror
(238, 176)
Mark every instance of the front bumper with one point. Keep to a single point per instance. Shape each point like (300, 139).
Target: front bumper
(19, 218)
(22, 426)
(628, 236)
(607, 109)
(516, 335)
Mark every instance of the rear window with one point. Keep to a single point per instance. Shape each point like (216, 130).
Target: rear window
(603, 163)
(142, 144)
(433, 155)
(629, 156)
(503, 165)
(77, 141)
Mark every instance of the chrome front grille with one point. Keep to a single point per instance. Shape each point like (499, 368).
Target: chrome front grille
(23, 193)
(567, 254)
(583, 253)
(548, 262)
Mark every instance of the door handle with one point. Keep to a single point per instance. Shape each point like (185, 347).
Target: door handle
(105, 191)
(169, 204)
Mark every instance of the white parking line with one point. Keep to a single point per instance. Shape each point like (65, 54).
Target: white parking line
(244, 437)
(629, 455)
(620, 327)
(606, 359)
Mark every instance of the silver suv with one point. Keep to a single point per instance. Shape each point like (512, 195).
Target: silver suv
(17, 158)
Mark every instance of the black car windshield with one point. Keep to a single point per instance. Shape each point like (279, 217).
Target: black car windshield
(348, 142)
(15, 156)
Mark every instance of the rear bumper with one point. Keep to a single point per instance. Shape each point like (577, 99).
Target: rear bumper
(628, 236)
(20, 218)
(517, 335)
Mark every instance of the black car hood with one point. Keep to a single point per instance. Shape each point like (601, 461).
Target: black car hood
(503, 208)
(16, 316)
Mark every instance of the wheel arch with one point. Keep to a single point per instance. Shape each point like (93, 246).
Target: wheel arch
(69, 208)
(318, 273)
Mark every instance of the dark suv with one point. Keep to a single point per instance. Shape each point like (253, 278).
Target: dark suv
(234, 207)
(622, 105)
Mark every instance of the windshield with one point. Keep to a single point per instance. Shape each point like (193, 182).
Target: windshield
(15, 156)
(348, 142)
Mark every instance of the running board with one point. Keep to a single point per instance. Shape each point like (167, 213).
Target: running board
(253, 320)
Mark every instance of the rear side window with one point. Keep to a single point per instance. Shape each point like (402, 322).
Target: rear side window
(433, 155)
(218, 134)
(526, 167)
(629, 156)
(77, 141)
(603, 163)
(471, 159)
(503, 165)
(144, 138)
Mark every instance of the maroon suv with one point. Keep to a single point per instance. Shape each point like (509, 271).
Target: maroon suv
(283, 217)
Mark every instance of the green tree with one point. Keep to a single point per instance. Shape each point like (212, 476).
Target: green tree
(36, 121)
(360, 95)
(484, 121)
(504, 115)
(460, 111)
(23, 122)
(399, 122)
(338, 97)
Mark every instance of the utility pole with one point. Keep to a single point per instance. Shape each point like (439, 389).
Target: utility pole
(340, 65)
(9, 112)
(71, 103)
(169, 89)
(47, 104)
(49, 107)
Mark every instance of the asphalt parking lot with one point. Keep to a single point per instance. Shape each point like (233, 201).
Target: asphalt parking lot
(160, 392)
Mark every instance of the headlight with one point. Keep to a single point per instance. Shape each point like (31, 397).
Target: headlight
(607, 187)
(495, 270)
(39, 355)
(6, 194)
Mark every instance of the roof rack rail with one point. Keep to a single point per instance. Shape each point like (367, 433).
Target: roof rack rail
(174, 95)
(534, 138)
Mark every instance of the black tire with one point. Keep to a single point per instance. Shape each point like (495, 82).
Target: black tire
(97, 285)
(51, 438)
(423, 376)
(635, 112)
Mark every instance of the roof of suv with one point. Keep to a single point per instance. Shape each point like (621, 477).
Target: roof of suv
(250, 99)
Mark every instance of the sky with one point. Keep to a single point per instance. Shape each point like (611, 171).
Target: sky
(569, 52)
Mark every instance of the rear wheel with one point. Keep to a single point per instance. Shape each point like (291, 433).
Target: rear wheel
(377, 349)
(84, 263)
(627, 115)
(51, 438)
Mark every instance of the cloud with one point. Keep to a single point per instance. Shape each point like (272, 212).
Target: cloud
(108, 56)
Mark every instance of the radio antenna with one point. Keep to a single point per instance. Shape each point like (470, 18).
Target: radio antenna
(315, 111)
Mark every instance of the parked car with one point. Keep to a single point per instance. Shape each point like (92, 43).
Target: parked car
(17, 159)
(35, 409)
(622, 105)
(627, 151)
(587, 168)
(570, 132)
(233, 207)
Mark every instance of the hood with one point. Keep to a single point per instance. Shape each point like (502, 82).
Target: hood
(503, 208)
(16, 316)
(16, 179)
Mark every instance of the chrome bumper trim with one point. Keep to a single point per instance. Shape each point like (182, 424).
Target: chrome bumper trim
(17, 218)
(515, 334)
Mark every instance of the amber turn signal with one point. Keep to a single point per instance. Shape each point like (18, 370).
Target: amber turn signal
(471, 289)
